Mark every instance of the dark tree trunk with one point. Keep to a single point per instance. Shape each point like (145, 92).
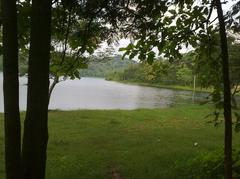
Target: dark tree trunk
(11, 90)
(36, 122)
(227, 94)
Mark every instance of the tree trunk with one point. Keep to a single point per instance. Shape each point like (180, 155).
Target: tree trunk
(227, 94)
(11, 90)
(36, 121)
(52, 86)
(194, 88)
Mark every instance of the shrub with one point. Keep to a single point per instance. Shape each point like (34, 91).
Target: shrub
(208, 166)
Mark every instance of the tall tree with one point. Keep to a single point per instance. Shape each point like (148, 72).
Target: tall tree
(11, 90)
(227, 94)
(185, 22)
(36, 122)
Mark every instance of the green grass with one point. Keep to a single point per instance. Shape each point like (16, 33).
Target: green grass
(139, 144)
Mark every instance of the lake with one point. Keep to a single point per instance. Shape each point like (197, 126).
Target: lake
(97, 93)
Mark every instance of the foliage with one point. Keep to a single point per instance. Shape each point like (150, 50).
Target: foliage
(237, 123)
(73, 36)
(22, 65)
(208, 65)
(234, 48)
(232, 18)
(166, 25)
(69, 68)
(209, 165)
(170, 25)
(185, 74)
(159, 72)
(210, 74)
(77, 29)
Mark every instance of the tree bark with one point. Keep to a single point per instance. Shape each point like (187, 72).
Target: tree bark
(11, 90)
(36, 121)
(227, 94)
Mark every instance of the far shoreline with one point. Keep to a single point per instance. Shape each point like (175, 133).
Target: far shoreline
(174, 87)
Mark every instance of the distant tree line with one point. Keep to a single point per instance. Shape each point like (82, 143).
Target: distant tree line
(102, 67)
(160, 72)
(182, 72)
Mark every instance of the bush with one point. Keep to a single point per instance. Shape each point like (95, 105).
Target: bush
(209, 166)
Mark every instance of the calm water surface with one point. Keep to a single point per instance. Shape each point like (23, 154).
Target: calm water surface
(97, 93)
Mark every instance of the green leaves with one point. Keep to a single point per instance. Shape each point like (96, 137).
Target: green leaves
(168, 27)
(150, 57)
(128, 48)
(68, 68)
(237, 125)
(76, 33)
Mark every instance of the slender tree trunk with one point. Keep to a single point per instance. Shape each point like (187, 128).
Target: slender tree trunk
(36, 122)
(52, 86)
(227, 94)
(11, 90)
(194, 88)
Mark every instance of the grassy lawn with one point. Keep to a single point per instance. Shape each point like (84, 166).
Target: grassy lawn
(138, 144)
